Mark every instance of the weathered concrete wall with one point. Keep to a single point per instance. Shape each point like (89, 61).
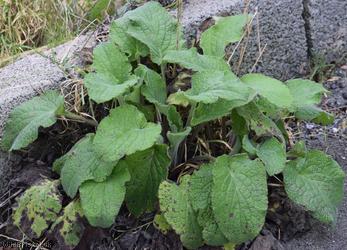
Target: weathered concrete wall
(281, 27)
(327, 23)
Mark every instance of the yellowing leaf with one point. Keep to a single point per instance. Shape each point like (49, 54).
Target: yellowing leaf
(68, 228)
(38, 208)
(177, 210)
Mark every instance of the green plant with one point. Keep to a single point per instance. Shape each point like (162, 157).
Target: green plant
(136, 147)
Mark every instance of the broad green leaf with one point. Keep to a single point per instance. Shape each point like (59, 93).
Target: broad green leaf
(127, 44)
(248, 146)
(147, 169)
(177, 210)
(208, 112)
(22, 126)
(191, 59)
(82, 164)
(314, 114)
(305, 92)
(270, 110)
(101, 201)
(273, 154)
(273, 90)
(123, 132)
(112, 77)
(210, 86)
(316, 182)
(239, 196)
(306, 95)
(155, 87)
(38, 208)
(68, 228)
(258, 122)
(225, 31)
(200, 195)
(161, 224)
(211, 233)
(155, 27)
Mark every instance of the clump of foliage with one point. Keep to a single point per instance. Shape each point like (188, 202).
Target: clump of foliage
(164, 94)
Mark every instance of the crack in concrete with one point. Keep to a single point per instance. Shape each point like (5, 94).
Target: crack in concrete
(306, 16)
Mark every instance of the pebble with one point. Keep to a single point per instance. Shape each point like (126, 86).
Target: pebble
(344, 95)
(309, 126)
(335, 130)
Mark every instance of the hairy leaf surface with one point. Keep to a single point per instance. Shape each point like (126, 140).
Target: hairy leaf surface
(191, 59)
(147, 169)
(239, 196)
(68, 228)
(210, 86)
(316, 182)
(226, 30)
(22, 126)
(38, 208)
(208, 112)
(101, 201)
(273, 90)
(155, 27)
(81, 163)
(127, 44)
(200, 189)
(112, 77)
(124, 132)
(273, 154)
(155, 88)
(306, 95)
(177, 210)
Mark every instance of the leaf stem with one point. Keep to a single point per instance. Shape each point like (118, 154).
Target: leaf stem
(162, 69)
(79, 118)
(190, 116)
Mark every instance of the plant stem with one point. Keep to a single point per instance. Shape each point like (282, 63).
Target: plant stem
(79, 118)
(191, 112)
(162, 69)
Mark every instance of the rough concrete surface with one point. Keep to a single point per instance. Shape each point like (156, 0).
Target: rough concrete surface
(328, 28)
(281, 27)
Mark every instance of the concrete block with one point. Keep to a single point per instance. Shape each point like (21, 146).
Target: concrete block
(281, 27)
(328, 28)
(30, 76)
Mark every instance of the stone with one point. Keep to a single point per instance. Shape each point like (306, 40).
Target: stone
(327, 22)
(281, 28)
